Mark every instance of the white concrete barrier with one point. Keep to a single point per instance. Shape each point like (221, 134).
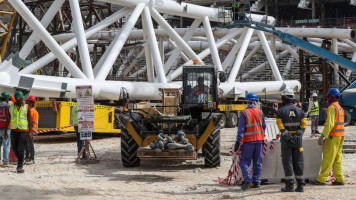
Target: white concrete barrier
(272, 164)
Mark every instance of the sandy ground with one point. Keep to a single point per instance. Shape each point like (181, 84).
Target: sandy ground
(55, 175)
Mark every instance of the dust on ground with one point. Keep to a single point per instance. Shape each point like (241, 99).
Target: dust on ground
(55, 175)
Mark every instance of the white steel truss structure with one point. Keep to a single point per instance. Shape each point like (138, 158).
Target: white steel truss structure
(161, 49)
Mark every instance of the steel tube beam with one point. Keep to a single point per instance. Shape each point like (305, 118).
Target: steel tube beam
(161, 77)
(37, 27)
(205, 53)
(46, 19)
(233, 52)
(336, 66)
(251, 54)
(174, 36)
(261, 66)
(269, 55)
(71, 43)
(212, 44)
(236, 67)
(149, 63)
(119, 42)
(167, 66)
(82, 42)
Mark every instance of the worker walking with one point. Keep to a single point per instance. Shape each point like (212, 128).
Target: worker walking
(313, 113)
(333, 134)
(20, 117)
(251, 133)
(6, 142)
(292, 123)
(80, 143)
(30, 150)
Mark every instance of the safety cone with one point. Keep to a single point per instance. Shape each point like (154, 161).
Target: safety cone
(12, 157)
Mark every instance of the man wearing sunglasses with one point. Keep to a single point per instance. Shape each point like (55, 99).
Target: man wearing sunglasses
(20, 117)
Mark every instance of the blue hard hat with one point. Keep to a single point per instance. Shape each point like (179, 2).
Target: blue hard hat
(334, 92)
(252, 96)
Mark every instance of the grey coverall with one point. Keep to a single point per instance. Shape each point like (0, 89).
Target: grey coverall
(291, 118)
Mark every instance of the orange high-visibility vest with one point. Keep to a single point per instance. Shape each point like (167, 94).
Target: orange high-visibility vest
(338, 129)
(3, 116)
(199, 92)
(253, 125)
(34, 117)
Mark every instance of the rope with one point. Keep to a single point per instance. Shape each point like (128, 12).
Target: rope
(234, 176)
(53, 129)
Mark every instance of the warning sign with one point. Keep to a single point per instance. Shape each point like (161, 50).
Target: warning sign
(87, 93)
(85, 105)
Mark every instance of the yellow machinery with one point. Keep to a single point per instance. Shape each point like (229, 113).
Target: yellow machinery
(5, 10)
(60, 116)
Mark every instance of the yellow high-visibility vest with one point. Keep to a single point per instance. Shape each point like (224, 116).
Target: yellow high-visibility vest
(19, 117)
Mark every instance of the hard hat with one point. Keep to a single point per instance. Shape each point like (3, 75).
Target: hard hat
(252, 96)
(32, 99)
(288, 92)
(314, 95)
(334, 92)
(5, 95)
(18, 94)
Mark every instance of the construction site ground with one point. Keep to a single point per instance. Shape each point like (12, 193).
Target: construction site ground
(55, 175)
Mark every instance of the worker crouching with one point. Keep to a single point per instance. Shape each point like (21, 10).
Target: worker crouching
(251, 133)
(292, 123)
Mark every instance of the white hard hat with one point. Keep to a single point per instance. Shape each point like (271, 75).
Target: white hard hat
(288, 92)
(314, 95)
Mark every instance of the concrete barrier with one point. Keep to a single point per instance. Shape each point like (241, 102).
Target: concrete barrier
(272, 164)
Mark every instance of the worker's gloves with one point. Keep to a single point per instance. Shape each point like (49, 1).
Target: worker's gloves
(286, 135)
(237, 146)
(295, 141)
(321, 139)
(300, 132)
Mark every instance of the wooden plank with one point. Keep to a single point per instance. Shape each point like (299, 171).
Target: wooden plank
(149, 154)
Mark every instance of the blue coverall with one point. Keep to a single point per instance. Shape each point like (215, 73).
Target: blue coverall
(250, 150)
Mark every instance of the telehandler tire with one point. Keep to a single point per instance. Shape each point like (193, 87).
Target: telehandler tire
(211, 149)
(129, 150)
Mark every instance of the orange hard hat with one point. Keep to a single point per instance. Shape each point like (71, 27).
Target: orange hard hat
(32, 98)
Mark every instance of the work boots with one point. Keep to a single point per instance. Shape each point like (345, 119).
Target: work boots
(245, 186)
(300, 185)
(288, 188)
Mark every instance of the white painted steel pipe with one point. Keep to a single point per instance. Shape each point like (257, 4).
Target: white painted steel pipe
(158, 66)
(271, 60)
(205, 53)
(212, 45)
(71, 43)
(46, 19)
(167, 66)
(237, 64)
(261, 66)
(37, 27)
(174, 36)
(149, 62)
(119, 42)
(82, 42)
(47, 86)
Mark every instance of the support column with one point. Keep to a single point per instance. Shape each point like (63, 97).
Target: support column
(188, 35)
(37, 27)
(161, 77)
(73, 42)
(336, 66)
(212, 45)
(269, 55)
(237, 64)
(119, 42)
(82, 42)
(148, 55)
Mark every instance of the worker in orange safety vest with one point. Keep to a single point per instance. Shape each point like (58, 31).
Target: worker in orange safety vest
(251, 134)
(30, 150)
